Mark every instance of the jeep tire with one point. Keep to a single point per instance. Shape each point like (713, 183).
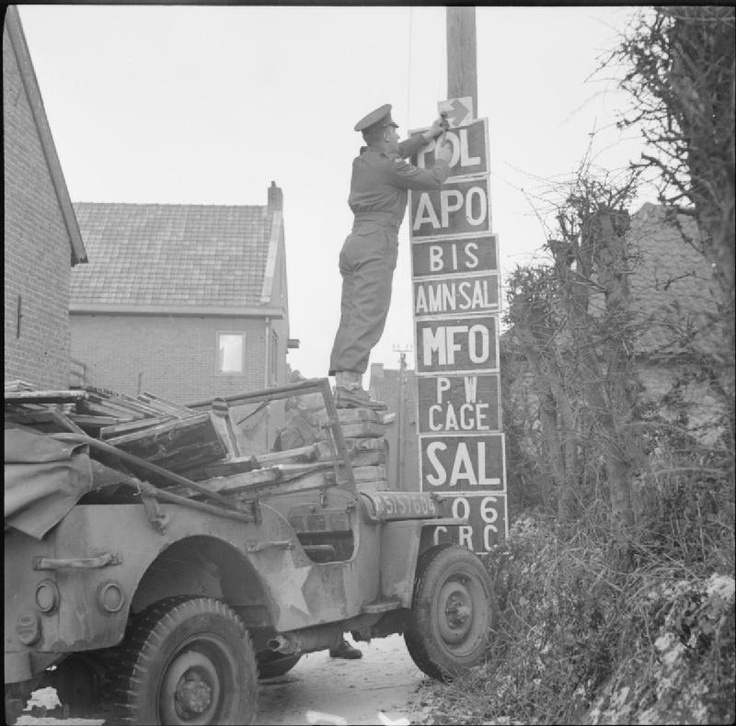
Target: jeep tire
(187, 661)
(453, 611)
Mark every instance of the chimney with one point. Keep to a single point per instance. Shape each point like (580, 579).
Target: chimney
(275, 198)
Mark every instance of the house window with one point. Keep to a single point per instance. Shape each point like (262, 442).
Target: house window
(274, 357)
(231, 353)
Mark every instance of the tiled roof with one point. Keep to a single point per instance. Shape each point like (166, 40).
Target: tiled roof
(672, 287)
(172, 254)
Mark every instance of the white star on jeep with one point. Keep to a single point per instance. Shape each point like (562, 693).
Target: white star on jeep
(288, 580)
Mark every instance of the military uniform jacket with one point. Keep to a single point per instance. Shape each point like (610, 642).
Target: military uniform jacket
(380, 181)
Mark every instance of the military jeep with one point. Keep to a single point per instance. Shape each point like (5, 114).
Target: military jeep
(168, 597)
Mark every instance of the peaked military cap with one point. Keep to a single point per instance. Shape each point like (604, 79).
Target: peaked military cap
(380, 118)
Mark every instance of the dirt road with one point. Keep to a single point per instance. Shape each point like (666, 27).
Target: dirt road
(378, 689)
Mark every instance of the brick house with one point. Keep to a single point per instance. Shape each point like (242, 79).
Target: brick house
(673, 304)
(185, 301)
(42, 239)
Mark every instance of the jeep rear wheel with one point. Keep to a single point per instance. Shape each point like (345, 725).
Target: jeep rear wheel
(187, 661)
(453, 611)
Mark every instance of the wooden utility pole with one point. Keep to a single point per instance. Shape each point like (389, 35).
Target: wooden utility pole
(462, 76)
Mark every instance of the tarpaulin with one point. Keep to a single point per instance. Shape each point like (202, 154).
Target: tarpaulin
(44, 478)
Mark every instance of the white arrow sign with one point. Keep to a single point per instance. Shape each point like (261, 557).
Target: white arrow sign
(459, 111)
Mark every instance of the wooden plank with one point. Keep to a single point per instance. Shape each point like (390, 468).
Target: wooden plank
(48, 419)
(363, 429)
(177, 445)
(164, 405)
(369, 473)
(93, 420)
(221, 422)
(267, 489)
(105, 405)
(118, 429)
(351, 415)
(44, 396)
(241, 464)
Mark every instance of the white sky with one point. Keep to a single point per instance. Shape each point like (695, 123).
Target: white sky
(207, 105)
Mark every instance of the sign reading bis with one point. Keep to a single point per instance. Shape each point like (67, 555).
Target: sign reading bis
(467, 294)
(459, 208)
(443, 257)
(457, 345)
(456, 404)
(469, 146)
(462, 463)
(487, 524)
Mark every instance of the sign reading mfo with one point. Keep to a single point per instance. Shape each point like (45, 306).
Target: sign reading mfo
(454, 404)
(444, 256)
(457, 208)
(456, 345)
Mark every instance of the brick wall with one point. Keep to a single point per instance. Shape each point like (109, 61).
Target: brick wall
(37, 247)
(172, 356)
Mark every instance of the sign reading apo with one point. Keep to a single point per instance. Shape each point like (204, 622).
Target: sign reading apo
(487, 525)
(457, 208)
(467, 294)
(442, 257)
(469, 146)
(462, 463)
(457, 345)
(456, 404)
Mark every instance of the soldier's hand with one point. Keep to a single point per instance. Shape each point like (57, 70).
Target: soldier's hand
(444, 152)
(438, 127)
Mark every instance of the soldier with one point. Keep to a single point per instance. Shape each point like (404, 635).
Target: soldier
(378, 195)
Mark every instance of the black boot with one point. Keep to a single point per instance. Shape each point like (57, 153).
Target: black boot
(345, 650)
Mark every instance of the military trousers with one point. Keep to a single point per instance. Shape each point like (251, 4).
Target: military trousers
(367, 264)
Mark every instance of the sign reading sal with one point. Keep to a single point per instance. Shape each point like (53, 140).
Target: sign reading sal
(462, 463)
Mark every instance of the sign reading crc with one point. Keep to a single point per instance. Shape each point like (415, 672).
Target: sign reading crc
(469, 146)
(462, 463)
(457, 345)
(459, 403)
(458, 208)
(487, 525)
(443, 257)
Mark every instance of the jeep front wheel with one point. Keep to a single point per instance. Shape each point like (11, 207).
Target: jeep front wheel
(453, 611)
(187, 661)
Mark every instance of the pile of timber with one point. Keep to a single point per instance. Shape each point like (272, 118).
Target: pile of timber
(308, 467)
(202, 446)
(152, 428)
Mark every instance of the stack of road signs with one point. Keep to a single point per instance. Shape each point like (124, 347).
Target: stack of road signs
(457, 303)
